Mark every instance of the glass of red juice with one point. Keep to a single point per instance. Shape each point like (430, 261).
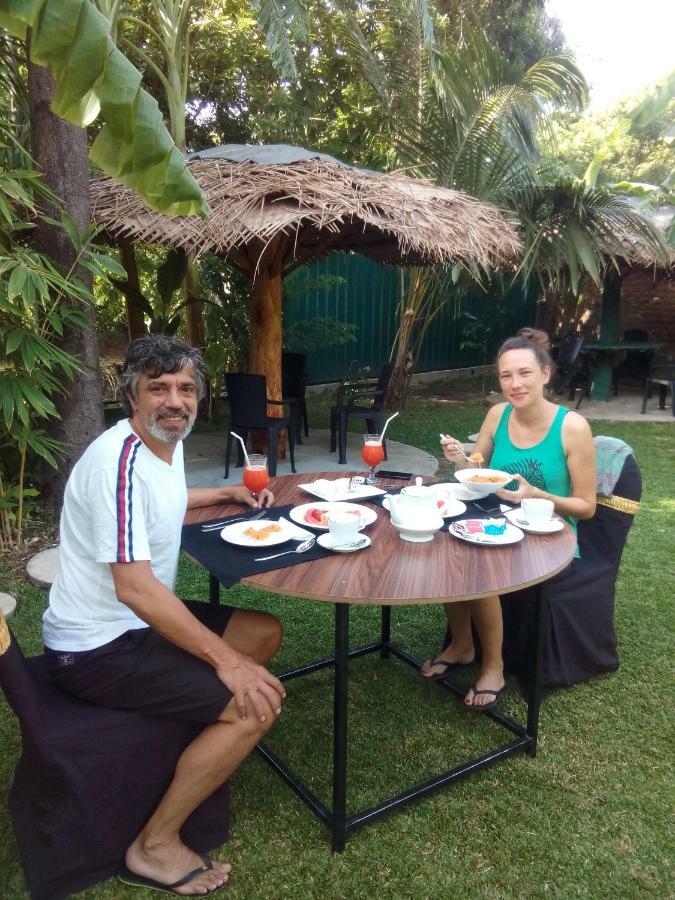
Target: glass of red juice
(372, 453)
(256, 475)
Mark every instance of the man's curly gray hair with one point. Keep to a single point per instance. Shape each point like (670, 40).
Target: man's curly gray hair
(155, 355)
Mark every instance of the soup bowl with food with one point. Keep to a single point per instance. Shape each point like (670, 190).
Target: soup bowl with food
(481, 482)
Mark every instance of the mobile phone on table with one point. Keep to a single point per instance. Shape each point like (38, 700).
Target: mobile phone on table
(403, 476)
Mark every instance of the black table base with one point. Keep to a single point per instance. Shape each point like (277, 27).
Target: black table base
(336, 819)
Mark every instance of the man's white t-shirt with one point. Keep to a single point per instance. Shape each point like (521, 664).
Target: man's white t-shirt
(122, 504)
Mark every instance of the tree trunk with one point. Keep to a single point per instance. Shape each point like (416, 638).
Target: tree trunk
(194, 312)
(403, 363)
(60, 153)
(135, 320)
(265, 314)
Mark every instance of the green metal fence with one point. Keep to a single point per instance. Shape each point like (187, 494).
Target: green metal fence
(466, 333)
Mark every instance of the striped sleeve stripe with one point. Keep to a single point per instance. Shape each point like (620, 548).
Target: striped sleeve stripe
(124, 498)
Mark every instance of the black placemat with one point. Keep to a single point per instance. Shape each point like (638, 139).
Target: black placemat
(229, 563)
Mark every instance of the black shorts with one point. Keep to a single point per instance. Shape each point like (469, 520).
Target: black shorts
(143, 671)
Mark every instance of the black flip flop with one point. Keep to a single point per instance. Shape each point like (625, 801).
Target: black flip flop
(128, 877)
(482, 707)
(449, 667)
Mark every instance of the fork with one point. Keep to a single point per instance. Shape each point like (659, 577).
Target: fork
(301, 548)
(214, 526)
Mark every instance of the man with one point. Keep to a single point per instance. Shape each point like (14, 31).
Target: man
(115, 633)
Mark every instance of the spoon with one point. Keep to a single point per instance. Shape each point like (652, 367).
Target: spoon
(305, 545)
(359, 542)
(458, 446)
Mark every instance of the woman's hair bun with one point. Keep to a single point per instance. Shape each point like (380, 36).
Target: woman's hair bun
(536, 336)
(530, 339)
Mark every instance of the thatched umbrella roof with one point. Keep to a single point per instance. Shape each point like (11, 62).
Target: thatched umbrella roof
(257, 193)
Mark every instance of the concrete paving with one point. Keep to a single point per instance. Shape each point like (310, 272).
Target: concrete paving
(205, 458)
(624, 408)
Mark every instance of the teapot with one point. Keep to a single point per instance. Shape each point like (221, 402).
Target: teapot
(415, 512)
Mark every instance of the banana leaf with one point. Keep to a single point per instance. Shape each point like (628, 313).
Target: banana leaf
(92, 77)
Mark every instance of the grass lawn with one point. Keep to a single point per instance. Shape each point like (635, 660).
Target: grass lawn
(587, 818)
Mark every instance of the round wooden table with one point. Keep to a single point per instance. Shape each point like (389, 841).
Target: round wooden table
(395, 572)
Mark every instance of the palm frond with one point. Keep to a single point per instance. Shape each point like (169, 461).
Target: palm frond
(282, 20)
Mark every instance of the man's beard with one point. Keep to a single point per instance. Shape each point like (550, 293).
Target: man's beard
(154, 426)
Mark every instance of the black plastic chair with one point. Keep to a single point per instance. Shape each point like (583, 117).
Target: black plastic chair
(362, 400)
(573, 368)
(88, 779)
(293, 384)
(636, 363)
(247, 396)
(662, 378)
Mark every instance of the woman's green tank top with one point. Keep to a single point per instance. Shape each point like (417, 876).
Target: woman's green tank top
(544, 465)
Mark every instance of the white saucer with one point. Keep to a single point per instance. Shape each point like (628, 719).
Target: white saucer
(327, 541)
(511, 536)
(515, 516)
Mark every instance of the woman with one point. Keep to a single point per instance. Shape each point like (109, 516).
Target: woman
(549, 450)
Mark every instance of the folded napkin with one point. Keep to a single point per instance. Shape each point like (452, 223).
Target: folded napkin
(295, 532)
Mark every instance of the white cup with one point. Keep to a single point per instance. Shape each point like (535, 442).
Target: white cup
(343, 527)
(537, 509)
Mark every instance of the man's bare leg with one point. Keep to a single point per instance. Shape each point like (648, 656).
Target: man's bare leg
(204, 765)
(461, 649)
(487, 616)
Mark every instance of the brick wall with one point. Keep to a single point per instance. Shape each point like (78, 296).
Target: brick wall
(647, 302)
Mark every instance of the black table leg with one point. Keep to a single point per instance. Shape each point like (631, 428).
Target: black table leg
(339, 829)
(534, 698)
(385, 632)
(214, 590)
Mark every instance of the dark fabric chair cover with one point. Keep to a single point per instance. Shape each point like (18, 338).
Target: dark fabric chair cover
(247, 396)
(88, 779)
(366, 401)
(579, 636)
(580, 641)
(293, 387)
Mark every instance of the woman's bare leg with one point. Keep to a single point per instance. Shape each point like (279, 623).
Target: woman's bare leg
(487, 616)
(461, 648)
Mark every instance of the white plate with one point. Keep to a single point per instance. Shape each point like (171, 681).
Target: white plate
(458, 491)
(337, 490)
(234, 533)
(511, 536)
(451, 505)
(327, 541)
(551, 527)
(298, 513)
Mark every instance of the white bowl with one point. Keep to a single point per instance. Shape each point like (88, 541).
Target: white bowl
(482, 489)
(417, 535)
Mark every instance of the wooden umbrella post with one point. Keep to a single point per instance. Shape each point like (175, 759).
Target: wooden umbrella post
(265, 316)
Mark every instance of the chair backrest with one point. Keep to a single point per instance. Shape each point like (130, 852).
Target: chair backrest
(570, 347)
(635, 334)
(381, 387)
(292, 373)
(247, 396)
(604, 536)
